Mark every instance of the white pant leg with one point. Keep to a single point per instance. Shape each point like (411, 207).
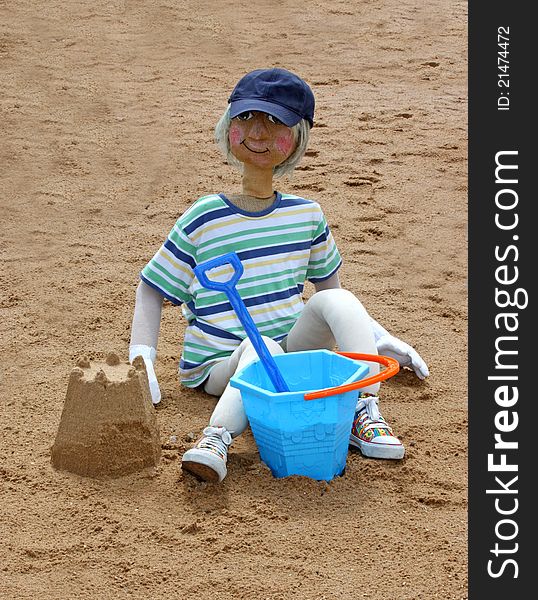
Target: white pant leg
(229, 411)
(332, 317)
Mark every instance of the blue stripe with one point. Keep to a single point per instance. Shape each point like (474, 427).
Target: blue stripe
(254, 301)
(158, 289)
(188, 365)
(267, 298)
(207, 218)
(321, 238)
(295, 202)
(270, 250)
(186, 258)
(214, 331)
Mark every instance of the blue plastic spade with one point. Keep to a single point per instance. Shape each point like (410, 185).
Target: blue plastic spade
(228, 287)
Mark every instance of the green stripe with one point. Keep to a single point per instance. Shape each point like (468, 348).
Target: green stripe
(200, 207)
(157, 265)
(272, 286)
(209, 298)
(250, 292)
(275, 332)
(327, 270)
(183, 245)
(202, 347)
(252, 243)
(163, 284)
(196, 381)
(246, 232)
(320, 229)
(194, 357)
(191, 356)
(279, 323)
(327, 258)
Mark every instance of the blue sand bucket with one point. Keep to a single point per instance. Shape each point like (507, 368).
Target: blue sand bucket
(297, 436)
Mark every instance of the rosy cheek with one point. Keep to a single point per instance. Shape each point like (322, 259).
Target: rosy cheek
(234, 136)
(284, 143)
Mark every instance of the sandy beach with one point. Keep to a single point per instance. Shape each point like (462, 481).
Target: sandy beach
(107, 117)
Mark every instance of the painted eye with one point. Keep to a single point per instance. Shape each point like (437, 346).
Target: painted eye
(245, 116)
(274, 120)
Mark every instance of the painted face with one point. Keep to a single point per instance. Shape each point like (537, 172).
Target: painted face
(260, 139)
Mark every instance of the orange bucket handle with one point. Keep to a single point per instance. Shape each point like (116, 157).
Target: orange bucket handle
(392, 368)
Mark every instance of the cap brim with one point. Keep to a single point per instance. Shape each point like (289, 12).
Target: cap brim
(288, 117)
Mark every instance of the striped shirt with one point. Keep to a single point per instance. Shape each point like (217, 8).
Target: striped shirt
(279, 248)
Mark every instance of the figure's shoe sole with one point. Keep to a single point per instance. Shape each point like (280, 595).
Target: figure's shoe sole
(200, 471)
(385, 451)
(204, 465)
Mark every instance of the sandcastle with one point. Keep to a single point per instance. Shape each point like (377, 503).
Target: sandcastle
(108, 426)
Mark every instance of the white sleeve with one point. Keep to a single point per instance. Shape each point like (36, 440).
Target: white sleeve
(147, 317)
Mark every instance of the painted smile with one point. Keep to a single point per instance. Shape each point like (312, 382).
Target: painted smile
(255, 151)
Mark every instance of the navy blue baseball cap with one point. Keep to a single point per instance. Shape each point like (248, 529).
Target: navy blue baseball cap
(276, 92)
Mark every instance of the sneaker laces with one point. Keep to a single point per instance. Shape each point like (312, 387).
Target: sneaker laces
(217, 440)
(369, 405)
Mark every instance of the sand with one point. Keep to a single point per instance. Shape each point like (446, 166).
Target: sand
(107, 117)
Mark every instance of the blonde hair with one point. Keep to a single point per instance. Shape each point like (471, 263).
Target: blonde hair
(301, 134)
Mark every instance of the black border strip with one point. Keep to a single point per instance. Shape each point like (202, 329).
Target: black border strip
(501, 125)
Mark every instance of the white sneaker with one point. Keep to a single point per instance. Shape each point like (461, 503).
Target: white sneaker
(370, 432)
(207, 460)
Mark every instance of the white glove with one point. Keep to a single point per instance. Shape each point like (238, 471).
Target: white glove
(149, 355)
(391, 346)
(388, 345)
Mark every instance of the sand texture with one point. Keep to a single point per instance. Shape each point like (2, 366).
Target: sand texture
(107, 114)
